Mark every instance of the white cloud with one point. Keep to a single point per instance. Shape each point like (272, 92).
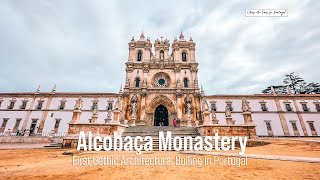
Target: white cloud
(82, 45)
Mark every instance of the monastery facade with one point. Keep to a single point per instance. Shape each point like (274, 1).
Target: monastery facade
(161, 84)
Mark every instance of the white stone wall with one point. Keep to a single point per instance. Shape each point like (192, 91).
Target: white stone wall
(259, 117)
(53, 112)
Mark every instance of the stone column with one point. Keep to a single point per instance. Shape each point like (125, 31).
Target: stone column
(94, 118)
(179, 106)
(189, 121)
(247, 118)
(206, 118)
(108, 119)
(76, 116)
(214, 118)
(133, 123)
(116, 116)
(229, 120)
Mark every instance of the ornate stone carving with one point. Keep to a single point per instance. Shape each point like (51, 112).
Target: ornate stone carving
(188, 104)
(228, 111)
(144, 92)
(129, 68)
(161, 99)
(146, 68)
(78, 104)
(194, 69)
(134, 105)
(125, 93)
(117, 104)
(177, 69)
(196, 83)
(127, 83)
(178, 83)
(205, 106)
(161, 80)
(245, 105)
(144, 82)
(179, 94)
(95, 110)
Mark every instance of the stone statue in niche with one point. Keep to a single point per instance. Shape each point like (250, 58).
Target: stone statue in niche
(178, 83)
(95, 110)
(228, 111)
(188, 104)
(205, 106)
(117, 104)
(127, 83)
(245, 105)
(161, 55)
(196, 83)
(144, 83)
(78, 104)
(134, 106)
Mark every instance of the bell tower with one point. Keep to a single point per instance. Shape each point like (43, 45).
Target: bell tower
(163, 85)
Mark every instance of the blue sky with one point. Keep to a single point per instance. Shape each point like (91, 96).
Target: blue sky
(81, 46)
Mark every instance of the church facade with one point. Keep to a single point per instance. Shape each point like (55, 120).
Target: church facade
(161, 85)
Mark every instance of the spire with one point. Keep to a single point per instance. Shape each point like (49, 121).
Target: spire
(142, 36)
(201, 91)
(38, 89)
(181, 37)
(120, 90)
(272, 90)
(54, 88)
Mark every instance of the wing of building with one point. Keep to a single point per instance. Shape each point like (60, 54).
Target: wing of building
(161, 86)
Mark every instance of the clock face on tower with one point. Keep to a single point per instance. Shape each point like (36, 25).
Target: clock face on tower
(161, 80)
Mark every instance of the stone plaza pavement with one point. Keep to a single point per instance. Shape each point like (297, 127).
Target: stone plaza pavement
(4, 146)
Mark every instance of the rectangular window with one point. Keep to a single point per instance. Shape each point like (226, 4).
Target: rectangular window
(318, 107)
(109, 106)
(11, 105)
(0, 103)
(305, 107)
(312, 126)
(23, 105)
(4, 122)
(62, 104)
(294, 126)
(213, 107)
(56, 125)
(264, 107)
(268, 126)
(288, 107)
(16, 125)
(40, 103)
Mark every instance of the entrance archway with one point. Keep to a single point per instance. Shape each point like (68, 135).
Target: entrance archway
(161, 115)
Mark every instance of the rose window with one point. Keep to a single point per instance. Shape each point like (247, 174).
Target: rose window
(161, 80)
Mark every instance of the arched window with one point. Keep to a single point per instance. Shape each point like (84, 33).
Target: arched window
(139, 57)
(184, 56)
(185, 82)
(161, 54)
(137, 82)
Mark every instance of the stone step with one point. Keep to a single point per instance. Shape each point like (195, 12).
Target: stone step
(153, 131)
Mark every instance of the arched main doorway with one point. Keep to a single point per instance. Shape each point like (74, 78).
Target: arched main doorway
(161, 115)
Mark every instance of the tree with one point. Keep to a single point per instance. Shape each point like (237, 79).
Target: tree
(311, 88)
(296, 84)
(278, 89)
